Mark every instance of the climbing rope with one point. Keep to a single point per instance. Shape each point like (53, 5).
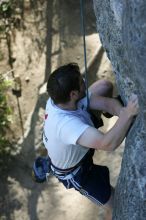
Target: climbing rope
(84, 47)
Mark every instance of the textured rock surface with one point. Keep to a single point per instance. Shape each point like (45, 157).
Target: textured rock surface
(122, 28)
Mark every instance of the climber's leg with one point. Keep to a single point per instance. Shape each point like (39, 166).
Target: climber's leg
(109, 206)
(102, 87)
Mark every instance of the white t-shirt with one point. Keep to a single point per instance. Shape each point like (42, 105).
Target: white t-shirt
(62, 128)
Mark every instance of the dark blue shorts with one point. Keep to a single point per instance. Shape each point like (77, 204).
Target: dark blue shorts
(91, 181)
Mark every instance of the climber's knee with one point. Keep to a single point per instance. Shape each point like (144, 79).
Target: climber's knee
(102, 87)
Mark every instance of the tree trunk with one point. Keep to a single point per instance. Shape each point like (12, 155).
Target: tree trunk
(122, 28)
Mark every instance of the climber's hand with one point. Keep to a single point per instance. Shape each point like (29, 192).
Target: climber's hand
(132, 107)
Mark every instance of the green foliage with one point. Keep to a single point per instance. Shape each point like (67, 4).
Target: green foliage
(5, 8)
(5, 113)
(4, 109)
(9, 17)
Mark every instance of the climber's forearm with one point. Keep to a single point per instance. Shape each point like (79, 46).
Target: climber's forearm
(110, 105)
(114, 137)
(93, 138)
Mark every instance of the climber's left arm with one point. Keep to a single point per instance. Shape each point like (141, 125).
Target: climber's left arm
(110, 105)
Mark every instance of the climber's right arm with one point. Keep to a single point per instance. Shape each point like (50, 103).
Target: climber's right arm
(109, 141)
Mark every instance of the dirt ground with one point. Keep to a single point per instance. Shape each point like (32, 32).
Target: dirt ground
(60, 39)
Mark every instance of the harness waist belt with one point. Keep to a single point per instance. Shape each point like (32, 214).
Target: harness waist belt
(65, 176)
(69, 170)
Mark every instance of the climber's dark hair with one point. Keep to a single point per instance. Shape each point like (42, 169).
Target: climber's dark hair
(62, 81)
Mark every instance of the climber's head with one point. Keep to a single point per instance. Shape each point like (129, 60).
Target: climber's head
(65, 83)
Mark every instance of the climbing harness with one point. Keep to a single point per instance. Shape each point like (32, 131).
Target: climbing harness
(43, 168)
(65, 176)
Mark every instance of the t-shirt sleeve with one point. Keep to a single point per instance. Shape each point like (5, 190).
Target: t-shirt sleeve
(83, 101)
(71, 130)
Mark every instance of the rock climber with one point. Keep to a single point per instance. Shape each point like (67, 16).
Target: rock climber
(71, 138)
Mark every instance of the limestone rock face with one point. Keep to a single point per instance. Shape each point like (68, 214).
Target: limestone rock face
(122, 28)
